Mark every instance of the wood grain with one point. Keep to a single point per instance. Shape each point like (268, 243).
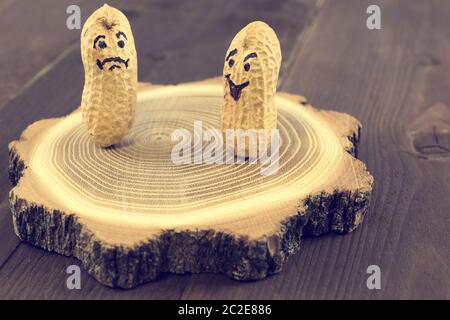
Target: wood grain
(129, 213)
(388, 79)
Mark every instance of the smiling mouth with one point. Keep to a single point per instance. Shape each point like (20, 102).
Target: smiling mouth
(236, 89)
(116, 60)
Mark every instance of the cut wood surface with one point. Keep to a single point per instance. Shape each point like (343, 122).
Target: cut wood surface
(129, 213)
(394, 80)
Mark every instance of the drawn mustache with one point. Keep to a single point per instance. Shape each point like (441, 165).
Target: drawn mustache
(236, 89)
(100, 64)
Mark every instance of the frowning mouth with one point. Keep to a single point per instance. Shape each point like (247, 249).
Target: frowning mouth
(116, 60)
(236, 89)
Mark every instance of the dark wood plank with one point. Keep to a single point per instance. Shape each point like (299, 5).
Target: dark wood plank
(389, 79)
(387, 74)
(168, 53)
(6, 4)
(34, 35)
(9, 240)
(43, 276)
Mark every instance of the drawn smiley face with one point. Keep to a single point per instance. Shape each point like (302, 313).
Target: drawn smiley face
(250, 75)
(238, 66)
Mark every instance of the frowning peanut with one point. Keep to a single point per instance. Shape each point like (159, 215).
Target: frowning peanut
(110, 70)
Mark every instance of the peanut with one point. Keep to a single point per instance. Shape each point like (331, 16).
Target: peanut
(110, 70)
(250, 73)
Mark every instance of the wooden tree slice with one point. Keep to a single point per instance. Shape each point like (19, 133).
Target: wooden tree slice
(129, 213)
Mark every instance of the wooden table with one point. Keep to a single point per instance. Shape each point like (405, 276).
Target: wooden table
(395, 80)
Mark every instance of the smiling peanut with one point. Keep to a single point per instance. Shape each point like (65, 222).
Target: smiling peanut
(250, 75)
(110, 69)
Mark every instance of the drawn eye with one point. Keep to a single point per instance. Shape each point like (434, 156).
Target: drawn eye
(121, 43)
(102, 44)
(231, 63)
(247, 66)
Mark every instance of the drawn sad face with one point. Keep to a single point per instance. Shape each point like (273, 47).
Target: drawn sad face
(107, 42)
(238, 70)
